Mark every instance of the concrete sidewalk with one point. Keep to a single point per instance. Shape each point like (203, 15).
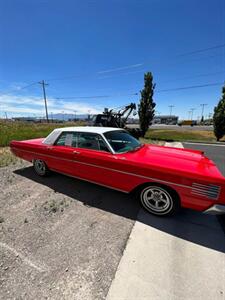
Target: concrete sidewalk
(172, 258)
(180, 258)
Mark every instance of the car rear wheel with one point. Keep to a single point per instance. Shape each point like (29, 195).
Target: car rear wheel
(159, 201)
(40, 167)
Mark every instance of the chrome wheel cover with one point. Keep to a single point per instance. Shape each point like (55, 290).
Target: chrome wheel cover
(39, 167)
(156, 200)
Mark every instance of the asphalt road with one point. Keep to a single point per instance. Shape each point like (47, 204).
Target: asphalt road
(212, 151)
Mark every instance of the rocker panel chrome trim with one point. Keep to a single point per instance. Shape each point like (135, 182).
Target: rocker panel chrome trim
(91, 181)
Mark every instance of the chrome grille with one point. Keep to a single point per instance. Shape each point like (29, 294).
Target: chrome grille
(210, 191)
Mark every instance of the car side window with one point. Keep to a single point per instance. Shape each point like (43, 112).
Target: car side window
(67, 139)
(91, 141)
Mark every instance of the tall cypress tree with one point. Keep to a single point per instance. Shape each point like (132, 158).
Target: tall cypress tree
(146, 107)
(219, 117)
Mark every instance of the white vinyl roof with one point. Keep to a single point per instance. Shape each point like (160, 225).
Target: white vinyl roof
(50, 139)
(92, 129)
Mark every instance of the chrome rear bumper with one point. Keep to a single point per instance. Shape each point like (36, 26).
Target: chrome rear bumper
(216, 209)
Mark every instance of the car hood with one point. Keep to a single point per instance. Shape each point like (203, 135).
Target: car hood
(176, 160)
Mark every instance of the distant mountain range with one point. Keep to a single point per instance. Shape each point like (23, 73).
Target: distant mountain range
(66, 117)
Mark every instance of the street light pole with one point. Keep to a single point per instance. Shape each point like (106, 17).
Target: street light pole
(75, 115)
(192, 111)
(189, 115)
(203, 106)
(171, 107)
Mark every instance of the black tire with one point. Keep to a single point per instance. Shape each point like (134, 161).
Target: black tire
(159, 200)
(40, 167)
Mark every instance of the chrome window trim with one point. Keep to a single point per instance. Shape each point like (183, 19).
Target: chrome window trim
(113, 151)
(78, 133)
(108, 144)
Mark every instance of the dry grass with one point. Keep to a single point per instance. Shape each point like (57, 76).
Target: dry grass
(21, 131)
(178, 135)
(149, 141)
(7, 158)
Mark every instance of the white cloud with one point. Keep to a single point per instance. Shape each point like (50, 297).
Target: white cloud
(24, 105)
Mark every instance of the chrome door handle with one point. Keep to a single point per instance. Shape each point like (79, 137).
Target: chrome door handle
(76, 152)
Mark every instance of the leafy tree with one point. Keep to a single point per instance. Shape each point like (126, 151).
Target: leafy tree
(146, 107)
(219, 117)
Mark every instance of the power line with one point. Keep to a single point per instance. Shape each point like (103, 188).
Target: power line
(189, 87)
(98, 96)
(202, 50)
(137, 65)
(21, 88)
(135, 94)
(115, 69)
(84, 97)
(195, 76)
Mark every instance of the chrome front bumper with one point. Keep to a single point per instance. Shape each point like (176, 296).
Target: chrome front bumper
(216, 209)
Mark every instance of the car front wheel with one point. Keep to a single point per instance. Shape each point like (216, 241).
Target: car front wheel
(40, 167)
(159, 200)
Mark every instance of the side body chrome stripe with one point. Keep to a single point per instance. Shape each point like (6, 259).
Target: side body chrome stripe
(110, 169)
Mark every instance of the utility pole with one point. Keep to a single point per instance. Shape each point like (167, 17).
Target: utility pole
(171, 107)
(192, 111)
(203, 106)
(44, 94)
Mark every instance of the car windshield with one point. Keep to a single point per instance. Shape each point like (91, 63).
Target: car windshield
(122, 141)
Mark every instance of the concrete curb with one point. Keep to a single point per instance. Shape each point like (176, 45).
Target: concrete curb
(174, 144)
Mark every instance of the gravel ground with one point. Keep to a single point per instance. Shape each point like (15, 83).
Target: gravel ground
(60, 238)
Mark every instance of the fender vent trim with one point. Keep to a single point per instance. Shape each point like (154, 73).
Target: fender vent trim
(209, 191)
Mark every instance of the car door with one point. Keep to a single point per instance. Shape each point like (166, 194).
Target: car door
(61, 154)
(96, 162)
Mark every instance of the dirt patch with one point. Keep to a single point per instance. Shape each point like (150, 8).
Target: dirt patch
(60, 238)
(7, 158)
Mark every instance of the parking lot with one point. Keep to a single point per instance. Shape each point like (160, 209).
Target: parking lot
(63, 238)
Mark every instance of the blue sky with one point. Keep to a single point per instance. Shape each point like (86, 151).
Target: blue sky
(97, 47)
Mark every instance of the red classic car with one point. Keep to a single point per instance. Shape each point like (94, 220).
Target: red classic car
(164, 178)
